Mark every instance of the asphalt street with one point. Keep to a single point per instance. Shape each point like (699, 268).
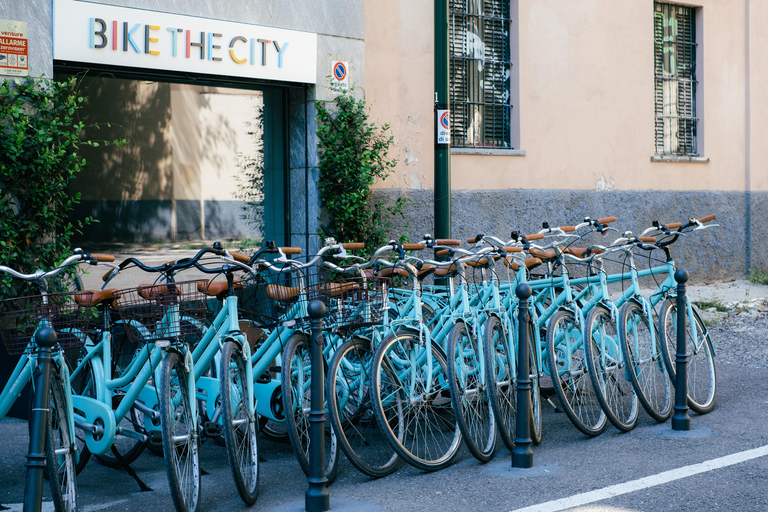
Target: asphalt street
(651, 468)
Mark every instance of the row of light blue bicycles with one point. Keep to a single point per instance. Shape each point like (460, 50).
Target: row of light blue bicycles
(420, 351)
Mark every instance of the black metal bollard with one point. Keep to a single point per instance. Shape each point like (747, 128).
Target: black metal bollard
(33, 484)
(680, 419)
(317, 497)
(522, 454)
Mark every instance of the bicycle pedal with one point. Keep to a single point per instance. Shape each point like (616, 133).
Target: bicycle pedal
(155, 439)
(265, 378)
(212, 430)
(554, 405)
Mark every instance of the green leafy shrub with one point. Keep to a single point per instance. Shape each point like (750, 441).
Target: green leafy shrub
(40, 133)
(353, 154)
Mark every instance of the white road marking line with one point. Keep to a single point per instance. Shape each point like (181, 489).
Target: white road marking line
(646, 482)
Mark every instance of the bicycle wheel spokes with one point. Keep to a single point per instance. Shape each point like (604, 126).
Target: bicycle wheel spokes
(412, 402)
(570, 378)
(180, 441)
(60, 455)
(239, 423)
(501, 380)
(468, 393)
(643, 359)
(350, 409)
(610, 382)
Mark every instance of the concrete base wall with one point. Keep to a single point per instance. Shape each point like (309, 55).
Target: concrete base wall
(726, 252)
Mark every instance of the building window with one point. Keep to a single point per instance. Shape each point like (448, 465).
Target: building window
(674, 42)
(480, 68)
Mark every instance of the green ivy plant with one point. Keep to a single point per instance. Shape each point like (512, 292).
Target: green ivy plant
(353, 154)
(40, 133)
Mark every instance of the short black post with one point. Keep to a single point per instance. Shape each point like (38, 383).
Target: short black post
(680, 419)
(317, 497)
(522, 454)
(33, 490)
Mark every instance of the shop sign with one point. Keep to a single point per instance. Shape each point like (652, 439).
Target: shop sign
(93, 33)
(340, 77)
(443, 126)
(14, 48)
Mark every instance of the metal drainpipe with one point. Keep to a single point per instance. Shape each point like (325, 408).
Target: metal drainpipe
(442, 102)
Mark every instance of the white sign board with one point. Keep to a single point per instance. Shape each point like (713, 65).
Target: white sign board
(340, 77)
(443, 126)
(14, 48)
(104, 34)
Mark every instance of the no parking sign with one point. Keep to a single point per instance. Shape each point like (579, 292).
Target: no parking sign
(340, 76)
(443, 126)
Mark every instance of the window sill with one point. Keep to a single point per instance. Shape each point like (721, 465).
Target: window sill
(680, 159)
(488, 151)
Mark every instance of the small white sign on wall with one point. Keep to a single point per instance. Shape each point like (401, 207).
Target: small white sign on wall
(340, 77)
(443, 126)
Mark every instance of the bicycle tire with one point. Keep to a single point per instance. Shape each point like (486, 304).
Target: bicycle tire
(702, 375)
(83, 385)
(239, 424)
(60, 451)
(357, 430)
(606, 368)
(295, 382)
(469, 394)
(568, 370)
(431, 438)
(644, 361)
(179, 433)
(536, 428)
(500, 380)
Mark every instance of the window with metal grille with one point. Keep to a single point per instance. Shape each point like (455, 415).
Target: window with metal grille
(674, 41)
(480, 70)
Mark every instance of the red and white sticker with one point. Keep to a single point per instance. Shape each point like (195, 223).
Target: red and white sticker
(14, 48)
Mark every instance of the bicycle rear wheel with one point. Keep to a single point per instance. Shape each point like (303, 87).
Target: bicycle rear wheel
(412, 402)
(500, 380)
(469, 395)
(702, 376)
(238, 422)
(351, 412)
(295, 381)
(60, 451)
(179, 432)
(644, 361)
(568, 369)
(610, 382)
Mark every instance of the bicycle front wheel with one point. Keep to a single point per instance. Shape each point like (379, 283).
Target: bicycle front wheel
(60, 451)
(644, 362)
(607, 372)
(351, 412)
(568, 369)
(500, 380)
(239, 423)
(702, 377)
(295, 381)
(412, 402)
(179, 432)
(469, 395)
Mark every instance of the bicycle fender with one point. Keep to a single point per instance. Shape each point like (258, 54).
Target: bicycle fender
(96, 413)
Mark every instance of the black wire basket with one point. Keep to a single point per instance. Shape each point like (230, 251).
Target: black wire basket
(148, 311)
(273, 297)
(67, 313)
(352, 301)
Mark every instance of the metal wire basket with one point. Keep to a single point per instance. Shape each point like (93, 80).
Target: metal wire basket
(164, 311)
(270, 297)
(351, 302)
(22, 316)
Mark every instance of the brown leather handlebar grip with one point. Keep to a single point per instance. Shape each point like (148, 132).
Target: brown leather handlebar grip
(413, 247)
(442, 252)
(291, 250)
(352, 246)
(106, 276)
(512, 249)
(108, 258)
(238, 256)
(673, 225)
(606, 220)
(535, 236)
(647, 239)
(567, 229)
(471, 240)
(448, 241)
(708, 218)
